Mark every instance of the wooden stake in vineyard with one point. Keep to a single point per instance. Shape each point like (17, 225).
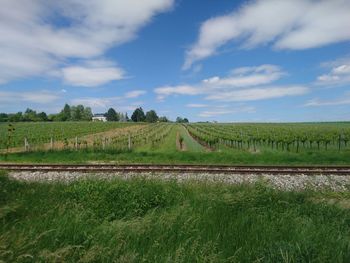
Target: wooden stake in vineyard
(26, 144)
(10, 131)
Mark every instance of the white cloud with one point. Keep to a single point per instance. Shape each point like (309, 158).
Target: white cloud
(219, 112)
(33, 43)
(258, 93)
(91, 74)
(195, 105)
(96, 103)
(339, 73)
(135, 93)
(40, 97)
(288, 24)
(242, 84)
(247, 77)
(163, 92)
(318, 102)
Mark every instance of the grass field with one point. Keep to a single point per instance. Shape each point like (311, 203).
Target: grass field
(177, 157)
(152, 221)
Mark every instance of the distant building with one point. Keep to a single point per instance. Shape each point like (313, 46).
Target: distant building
(99, 117)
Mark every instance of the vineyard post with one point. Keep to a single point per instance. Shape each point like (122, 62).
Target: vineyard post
(10, 131)
(339, 142)
(103, 143)
(297, 145)
(129, 141)
(76, 143)
(25, 144)
(51, 143)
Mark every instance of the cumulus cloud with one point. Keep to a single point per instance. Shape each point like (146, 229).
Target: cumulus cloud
(96, 103)
(165, 91)
(247, 77)
(345, 100)
(33, 43)
(91, 74)
(196, 105)
(288, 24)
(242, 84)
(218, 112)
(339, 73)
(259, 93)
(135, 93)
(40, 97)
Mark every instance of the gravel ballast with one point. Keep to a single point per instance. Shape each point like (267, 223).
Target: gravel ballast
(278, 181)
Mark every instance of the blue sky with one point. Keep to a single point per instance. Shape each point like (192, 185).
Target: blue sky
(266, 60)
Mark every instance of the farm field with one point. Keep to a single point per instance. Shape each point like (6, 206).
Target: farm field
(200, 143)
(157, 221)
(41, 132)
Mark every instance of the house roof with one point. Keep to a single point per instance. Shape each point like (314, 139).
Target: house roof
(99, 115)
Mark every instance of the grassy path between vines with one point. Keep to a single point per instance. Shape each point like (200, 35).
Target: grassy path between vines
(191, 144)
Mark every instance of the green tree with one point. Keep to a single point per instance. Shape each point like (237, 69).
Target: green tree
(42, 116)
(3, 117)
(66, 113)
(151, 116)
(77, 113)
(179, 120)
(30, 115)
(112, 115)
(163, 119)
(138, 115)
(15, 117)
(87, 114)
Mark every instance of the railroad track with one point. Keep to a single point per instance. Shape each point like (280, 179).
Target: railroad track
(237, 169)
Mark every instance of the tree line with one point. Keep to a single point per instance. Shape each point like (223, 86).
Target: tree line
(68, 113)
(81, 113)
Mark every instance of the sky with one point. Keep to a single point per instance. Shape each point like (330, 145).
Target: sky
(206, 60)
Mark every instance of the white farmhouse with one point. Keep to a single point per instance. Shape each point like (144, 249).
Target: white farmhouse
(99, 117)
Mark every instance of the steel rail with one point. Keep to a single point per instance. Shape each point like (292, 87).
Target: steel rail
(240, 169)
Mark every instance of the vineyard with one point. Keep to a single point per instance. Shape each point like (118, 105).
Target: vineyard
(195, 137)
(283, 137)
(81, 135)
(14, 135)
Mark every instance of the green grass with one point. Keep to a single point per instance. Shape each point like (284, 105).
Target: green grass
(153, 221)
(168, 144)
(191, 144)
(173, 157)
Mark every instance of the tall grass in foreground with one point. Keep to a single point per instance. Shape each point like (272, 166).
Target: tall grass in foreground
(152, 221)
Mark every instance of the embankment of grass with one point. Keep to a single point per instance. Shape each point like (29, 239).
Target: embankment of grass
(176, 157)
(153, 221)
